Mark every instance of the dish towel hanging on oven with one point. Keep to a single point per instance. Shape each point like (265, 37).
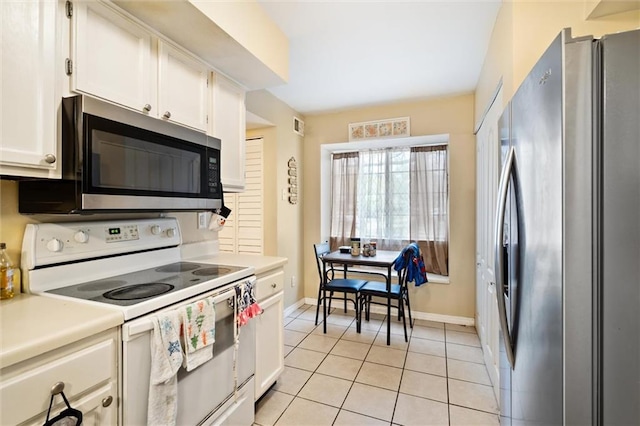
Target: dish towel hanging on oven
(198, 332)
(166, 359)
(247, 305)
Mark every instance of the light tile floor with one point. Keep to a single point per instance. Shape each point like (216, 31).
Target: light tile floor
(349, 378)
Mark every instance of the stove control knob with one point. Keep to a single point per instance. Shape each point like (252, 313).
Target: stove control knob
(171, 232)
(156, 230)
(54, 245)
(81, 237)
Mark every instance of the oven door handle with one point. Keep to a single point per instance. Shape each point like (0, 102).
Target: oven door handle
(145, 324)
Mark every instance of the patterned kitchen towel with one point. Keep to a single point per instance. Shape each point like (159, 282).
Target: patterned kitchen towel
(247, 305)
(198, 332)
(166, 359)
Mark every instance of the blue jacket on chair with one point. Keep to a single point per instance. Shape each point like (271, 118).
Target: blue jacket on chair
(411, 258)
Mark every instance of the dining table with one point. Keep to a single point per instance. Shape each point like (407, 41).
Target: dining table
(383, 259)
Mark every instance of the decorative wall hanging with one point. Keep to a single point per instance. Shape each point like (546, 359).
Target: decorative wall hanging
(389, 128)
(293, 181)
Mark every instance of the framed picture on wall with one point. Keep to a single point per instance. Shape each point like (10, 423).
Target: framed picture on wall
(389, 128)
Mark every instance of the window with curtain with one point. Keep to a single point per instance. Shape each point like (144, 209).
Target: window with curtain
(393, 196)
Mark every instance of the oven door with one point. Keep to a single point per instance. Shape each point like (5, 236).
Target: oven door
(204, 393)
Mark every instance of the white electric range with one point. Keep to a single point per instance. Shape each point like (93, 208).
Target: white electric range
(135, 267)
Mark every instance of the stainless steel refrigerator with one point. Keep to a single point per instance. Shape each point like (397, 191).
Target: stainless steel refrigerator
(568, 237)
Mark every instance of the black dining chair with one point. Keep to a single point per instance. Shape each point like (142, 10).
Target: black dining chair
(346, 286)
(399, 294)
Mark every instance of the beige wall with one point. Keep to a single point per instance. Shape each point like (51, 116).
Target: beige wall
(283, 221)
(11, 222)
(523, 31)
(453, 116)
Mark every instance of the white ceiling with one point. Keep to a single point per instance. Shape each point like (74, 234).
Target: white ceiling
(347, 54)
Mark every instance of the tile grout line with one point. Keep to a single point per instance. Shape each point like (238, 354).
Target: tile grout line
(446, 368)
(378, 333)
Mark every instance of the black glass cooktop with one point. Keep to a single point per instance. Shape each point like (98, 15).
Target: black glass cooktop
(135, 287)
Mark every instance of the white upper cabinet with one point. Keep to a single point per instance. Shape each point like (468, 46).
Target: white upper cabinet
(228, 124)
(135, 68)
(183, 88)
(30, 68)
(112, 57)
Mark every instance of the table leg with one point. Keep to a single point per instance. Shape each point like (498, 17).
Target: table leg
(389, 306)
(324, 297)
(345, 295)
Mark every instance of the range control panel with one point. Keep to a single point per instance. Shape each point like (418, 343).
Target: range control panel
(121, 233)
(53, 243)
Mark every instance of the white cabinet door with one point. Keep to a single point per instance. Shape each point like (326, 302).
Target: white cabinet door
(183, 89)
(99, 408)
(228, 124)
(269, 343)
(112, 57)
(30, 72)
(88, 371)
(487, 170)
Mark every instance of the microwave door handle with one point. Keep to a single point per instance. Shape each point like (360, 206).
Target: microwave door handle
(501, 285)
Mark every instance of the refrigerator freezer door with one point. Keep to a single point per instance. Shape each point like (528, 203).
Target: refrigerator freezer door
(621, 230)
(501, 243)
(537, 375)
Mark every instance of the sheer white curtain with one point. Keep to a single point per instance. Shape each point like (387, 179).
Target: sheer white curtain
(382, 210)
(430, 205)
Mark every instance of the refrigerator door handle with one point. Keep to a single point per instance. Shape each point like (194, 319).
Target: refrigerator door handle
(507, 172)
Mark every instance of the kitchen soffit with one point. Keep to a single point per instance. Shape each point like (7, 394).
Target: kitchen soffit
(184, 23)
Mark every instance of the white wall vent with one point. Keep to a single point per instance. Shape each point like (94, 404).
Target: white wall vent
(298, 126)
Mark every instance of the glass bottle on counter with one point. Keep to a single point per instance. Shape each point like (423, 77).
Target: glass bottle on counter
(7, 273)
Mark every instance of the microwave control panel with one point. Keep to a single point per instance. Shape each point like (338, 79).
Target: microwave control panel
(213, 174)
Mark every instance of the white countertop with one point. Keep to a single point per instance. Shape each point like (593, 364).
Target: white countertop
(31, 325)
(260, 263)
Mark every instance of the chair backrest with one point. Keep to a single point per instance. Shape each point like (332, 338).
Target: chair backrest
(402, 273)
(321, 249)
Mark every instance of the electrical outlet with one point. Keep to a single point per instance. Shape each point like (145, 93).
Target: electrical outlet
(202, 220)
(293, 281)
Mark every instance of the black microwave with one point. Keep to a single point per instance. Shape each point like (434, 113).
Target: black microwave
(114, 159)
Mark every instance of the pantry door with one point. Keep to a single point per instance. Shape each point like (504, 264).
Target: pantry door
(243, 232)
(487, 170)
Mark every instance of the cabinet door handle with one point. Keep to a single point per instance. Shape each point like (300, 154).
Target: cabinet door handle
(57, 388)
(147, 107)
(167, 115)
(50, 158)
(107, 401)
(273, 285)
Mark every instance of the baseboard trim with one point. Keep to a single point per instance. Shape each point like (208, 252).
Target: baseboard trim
(449, 319)
(289, 309)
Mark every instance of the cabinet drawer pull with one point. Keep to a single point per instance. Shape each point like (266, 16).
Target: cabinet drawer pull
(167, 115)
(57, 388)
(50, 158)
(273, 285)
(107, 401)
(147, 107)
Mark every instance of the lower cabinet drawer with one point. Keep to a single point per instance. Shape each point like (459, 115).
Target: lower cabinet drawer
(28, 394)
(269, 285)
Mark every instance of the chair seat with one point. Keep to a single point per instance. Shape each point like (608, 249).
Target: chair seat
(345, 284)
(376, 288)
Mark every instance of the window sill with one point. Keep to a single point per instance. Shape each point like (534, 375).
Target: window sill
(437, 279)
(433, 278)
